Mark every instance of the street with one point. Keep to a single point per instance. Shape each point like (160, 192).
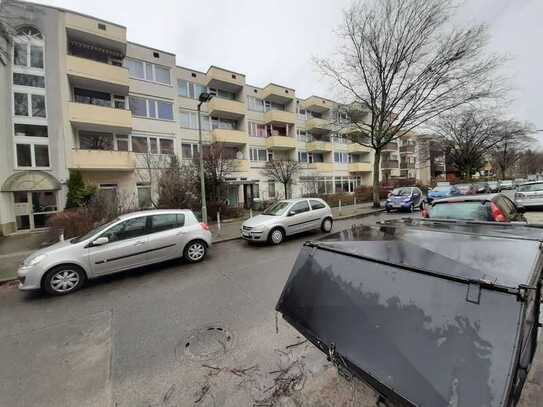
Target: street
(174, 335)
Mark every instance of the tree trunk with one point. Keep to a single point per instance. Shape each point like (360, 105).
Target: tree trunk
(376, 173)
(285, 185)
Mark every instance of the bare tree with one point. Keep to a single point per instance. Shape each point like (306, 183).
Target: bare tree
(150, 170)
(399, 61)
(508, 153)
(470, 136)
(219, 163)
(531, 162)
(178, 186)
(283, 171)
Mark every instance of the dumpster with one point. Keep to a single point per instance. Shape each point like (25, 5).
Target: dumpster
(428, 313)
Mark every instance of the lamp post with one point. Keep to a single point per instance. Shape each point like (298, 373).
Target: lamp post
(204, 97)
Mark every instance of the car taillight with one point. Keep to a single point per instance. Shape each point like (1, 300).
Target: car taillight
(497, 214)
(204, 226)
(424, 213)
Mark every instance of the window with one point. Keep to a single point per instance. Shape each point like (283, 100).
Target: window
(340, 157)
(32, 154)
(148, 71)
(122, 142)
(271, 189)
(152, 145)
(169, 221)
(300, 207)
(303, 136)
(149, 107)
(302, 115)
(139, 144)
(273, 106)
(30, 130)
(28, 53)
(23, 79)
(257, 154)
(316, 204)
(222, 94)
(144, 195)
(89, 140)
(128, 229)
(305, 157)
(189, 89)
(189, 151)
(220, 123)
(108, 192)
(22, 101)
(255, 104)
(92, 97)
(119, 102)
(38, 105)
(257, 129)
(189, 120)
(166, 146)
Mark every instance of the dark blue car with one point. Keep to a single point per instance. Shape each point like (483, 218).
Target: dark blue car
(404, 198)
(443, 191)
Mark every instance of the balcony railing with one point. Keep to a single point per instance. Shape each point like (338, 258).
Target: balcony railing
(410, 148)
(406, 165)
(280, 143)
(391, 146)
(103, 160)
(106, 118)
(389, 164)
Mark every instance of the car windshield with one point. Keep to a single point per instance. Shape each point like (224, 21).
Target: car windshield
(93, 232)
(530, 187)
(441, 189)
(460, 210)
(276, 209)
(401, 192)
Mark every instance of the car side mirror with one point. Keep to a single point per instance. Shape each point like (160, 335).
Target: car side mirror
(100, 241)
(291, 213)
(521, 209)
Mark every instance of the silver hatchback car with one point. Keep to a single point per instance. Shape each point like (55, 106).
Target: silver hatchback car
(130, 241)
(288, 217)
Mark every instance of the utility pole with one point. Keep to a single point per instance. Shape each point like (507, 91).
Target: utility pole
(204, 97)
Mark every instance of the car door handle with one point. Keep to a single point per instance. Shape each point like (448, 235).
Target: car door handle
(140, 243)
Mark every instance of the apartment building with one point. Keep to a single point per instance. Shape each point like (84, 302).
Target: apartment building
(77, 95)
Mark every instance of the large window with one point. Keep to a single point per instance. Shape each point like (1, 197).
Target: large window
(23, 79)
(255, 104)
(153, 145)
(151, 108)
(144, 195)
(32, 153)
(28, 48)
(341, 158)
(30, 130)
(258, 154)
(305, 157)
(148, 71)
(257, 129)
(95, 141)
(92, 97)
(189, 120)
(189, 89)
(30, 105)
(220, 123)
(303, 136)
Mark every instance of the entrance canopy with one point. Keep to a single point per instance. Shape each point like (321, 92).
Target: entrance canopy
(30, 181)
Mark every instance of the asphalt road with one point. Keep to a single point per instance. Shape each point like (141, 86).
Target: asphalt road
(168, 335)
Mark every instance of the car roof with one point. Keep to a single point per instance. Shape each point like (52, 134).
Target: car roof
(531, 183)
(469, 198)
(153, 212)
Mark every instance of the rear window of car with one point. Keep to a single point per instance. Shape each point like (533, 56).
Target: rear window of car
(530, 187)
(461, 210)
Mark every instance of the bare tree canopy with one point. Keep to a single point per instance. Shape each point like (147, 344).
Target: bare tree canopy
(405, 63)
(218, 165)
(283, 171)
(508, 153)
(470, 137)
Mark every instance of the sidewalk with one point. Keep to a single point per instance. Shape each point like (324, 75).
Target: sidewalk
(14, 248)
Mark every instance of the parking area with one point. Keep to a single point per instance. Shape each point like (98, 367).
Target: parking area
(177, 335)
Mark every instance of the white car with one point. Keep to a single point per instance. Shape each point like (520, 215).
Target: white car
(529, 194)
(288, 217)
(132, 240)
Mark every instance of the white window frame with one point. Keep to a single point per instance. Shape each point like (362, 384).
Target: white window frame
(254, 125)
(193, 120)
(31, 141)
(153, 72)
(149, 137)
(254, 152)
(148, 101)
(194, 148)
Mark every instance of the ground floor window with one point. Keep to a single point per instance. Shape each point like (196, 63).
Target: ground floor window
(144, 195)
(271, 189)
(108, 192)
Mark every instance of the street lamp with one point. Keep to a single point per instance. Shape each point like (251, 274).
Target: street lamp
(204, 97)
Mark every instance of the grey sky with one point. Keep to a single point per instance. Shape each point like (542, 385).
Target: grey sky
(274, 41)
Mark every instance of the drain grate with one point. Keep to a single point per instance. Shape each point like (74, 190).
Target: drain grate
(207, 343)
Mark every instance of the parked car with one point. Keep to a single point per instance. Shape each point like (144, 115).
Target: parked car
(489, 208)
(506, 184)
(130, 241)
(288, 217)
(529, 194)
(494, 186)
(442, 191)
(466, 189)
(482, 188)
(429, 313)
(404, 198)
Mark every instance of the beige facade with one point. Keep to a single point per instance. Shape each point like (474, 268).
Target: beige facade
(112, 109)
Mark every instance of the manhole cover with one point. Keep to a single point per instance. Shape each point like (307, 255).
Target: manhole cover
(210, 342)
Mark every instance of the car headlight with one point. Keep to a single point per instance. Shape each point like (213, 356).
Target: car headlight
(37, 259)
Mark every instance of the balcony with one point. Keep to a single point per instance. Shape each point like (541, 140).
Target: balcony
(97, 31)
(99, 118)
(323, 167)
(240, 165)
(316, 125)
(100, 160)
(360, 167)
(389, 164)
(223, 79)
(280, 143)
(408, 149)
(355, 148)
(278, 94)
(229, 137)
(391, 147)
(407, 165)
(279, 117)
(86, 73)
(317, 104)
(227, 109)
(319, 147)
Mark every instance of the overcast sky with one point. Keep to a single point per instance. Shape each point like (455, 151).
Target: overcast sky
(274, 40)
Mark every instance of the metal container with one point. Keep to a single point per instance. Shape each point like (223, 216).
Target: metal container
(429, 313)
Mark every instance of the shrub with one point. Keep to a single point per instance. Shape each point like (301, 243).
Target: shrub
(71, 222)
(78, 193)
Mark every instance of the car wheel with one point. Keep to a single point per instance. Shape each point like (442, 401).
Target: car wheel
(276, 236)
(195, 251)
(63, 280)
(326, 225)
